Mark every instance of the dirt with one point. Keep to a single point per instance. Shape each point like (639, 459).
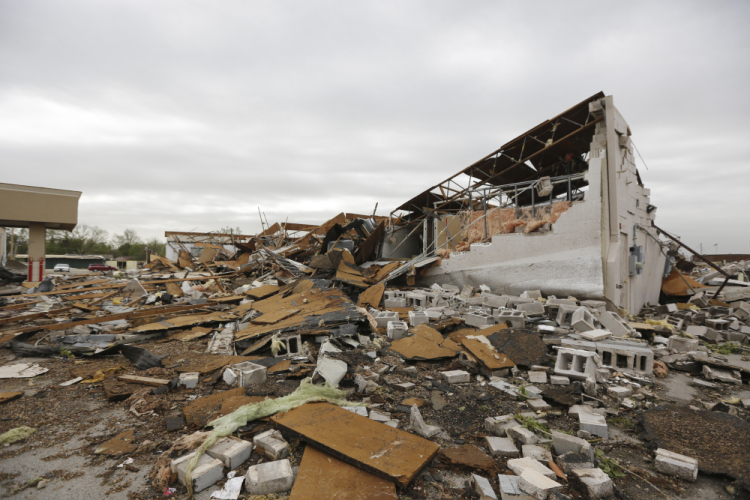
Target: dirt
(718, 440)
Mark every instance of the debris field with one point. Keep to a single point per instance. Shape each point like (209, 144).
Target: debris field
(305, 374)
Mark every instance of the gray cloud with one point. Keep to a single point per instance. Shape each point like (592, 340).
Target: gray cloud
(190, 115)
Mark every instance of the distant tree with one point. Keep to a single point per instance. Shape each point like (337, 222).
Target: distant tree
(20, 240)
(157, 247)
(129, 244)
(82, 240)
(230, 230)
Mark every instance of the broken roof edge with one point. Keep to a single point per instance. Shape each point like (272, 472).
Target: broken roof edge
(428, 194)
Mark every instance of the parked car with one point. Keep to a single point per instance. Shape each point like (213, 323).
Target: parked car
(62, 268)
(101, 267)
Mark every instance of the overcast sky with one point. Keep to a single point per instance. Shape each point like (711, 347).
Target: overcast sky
(188, 116)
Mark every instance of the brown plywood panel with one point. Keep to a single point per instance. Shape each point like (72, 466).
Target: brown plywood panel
(371, 446)
(324, 476)
(262, 291)
(487, 354)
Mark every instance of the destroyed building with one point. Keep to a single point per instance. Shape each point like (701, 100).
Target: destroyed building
(507, 334)
(561, 208)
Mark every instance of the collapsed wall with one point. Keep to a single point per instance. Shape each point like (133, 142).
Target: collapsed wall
(603, 247)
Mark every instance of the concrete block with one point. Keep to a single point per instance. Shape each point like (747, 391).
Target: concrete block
(494, 301)
(728, 376)
(521, 434)
(502, 447)
(674, 464)
(417, 318)
(564, 443)
(565, 314)
(514, 301)
(478, 319)
(537, 485)
(666, 308)
(571, 461)
(189, 380)
(269, 477)
(397, 302)
(383, 317)
(595, 305)
(519, 465)
(514, 319)
(419, 426)
(582, 320)
(615, 324)
(416, 299)
(700, 299)
(499, 425)
(742, 311)
(577, 364)
(619, 391)
(232, 452)
(483, 488)
(404, 387)
(682, 344)
(625, 355)
(596, 425)
(273, 444)
(292, 345)
(246, 373)
(207, 471)
(456, 377)
(576, 410)
(380, 416)
(595, 481)
(532, 294)
(359, 410)
(532, 309)
(559, 380)
(676, 322)
(397, 329)
(595, 335)
(538, 404)
(509, 489)
(536, 452)
(538, 377)
(331, 370)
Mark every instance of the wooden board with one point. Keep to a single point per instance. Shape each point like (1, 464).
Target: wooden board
(134, 379)
(324, 476)
(372, 446)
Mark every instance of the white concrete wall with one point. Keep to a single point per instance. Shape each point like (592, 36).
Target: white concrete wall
(628, 203)
(566, 261)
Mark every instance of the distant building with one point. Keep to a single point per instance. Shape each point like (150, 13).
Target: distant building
(74, 261)
(723, 258)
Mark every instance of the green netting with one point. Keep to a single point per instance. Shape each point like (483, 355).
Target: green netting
(307, 392)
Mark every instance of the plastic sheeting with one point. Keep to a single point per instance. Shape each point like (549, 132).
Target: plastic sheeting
(307, 392)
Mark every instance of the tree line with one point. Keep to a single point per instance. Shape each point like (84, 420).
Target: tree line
(87, 240)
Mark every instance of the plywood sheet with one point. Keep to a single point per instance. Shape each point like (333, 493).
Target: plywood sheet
(677, 284)
(324, 476)
(372, 296)
(262, 291)
(389, 453)
(487, 355)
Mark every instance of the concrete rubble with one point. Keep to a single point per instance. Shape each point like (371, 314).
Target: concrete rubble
(453, 374)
